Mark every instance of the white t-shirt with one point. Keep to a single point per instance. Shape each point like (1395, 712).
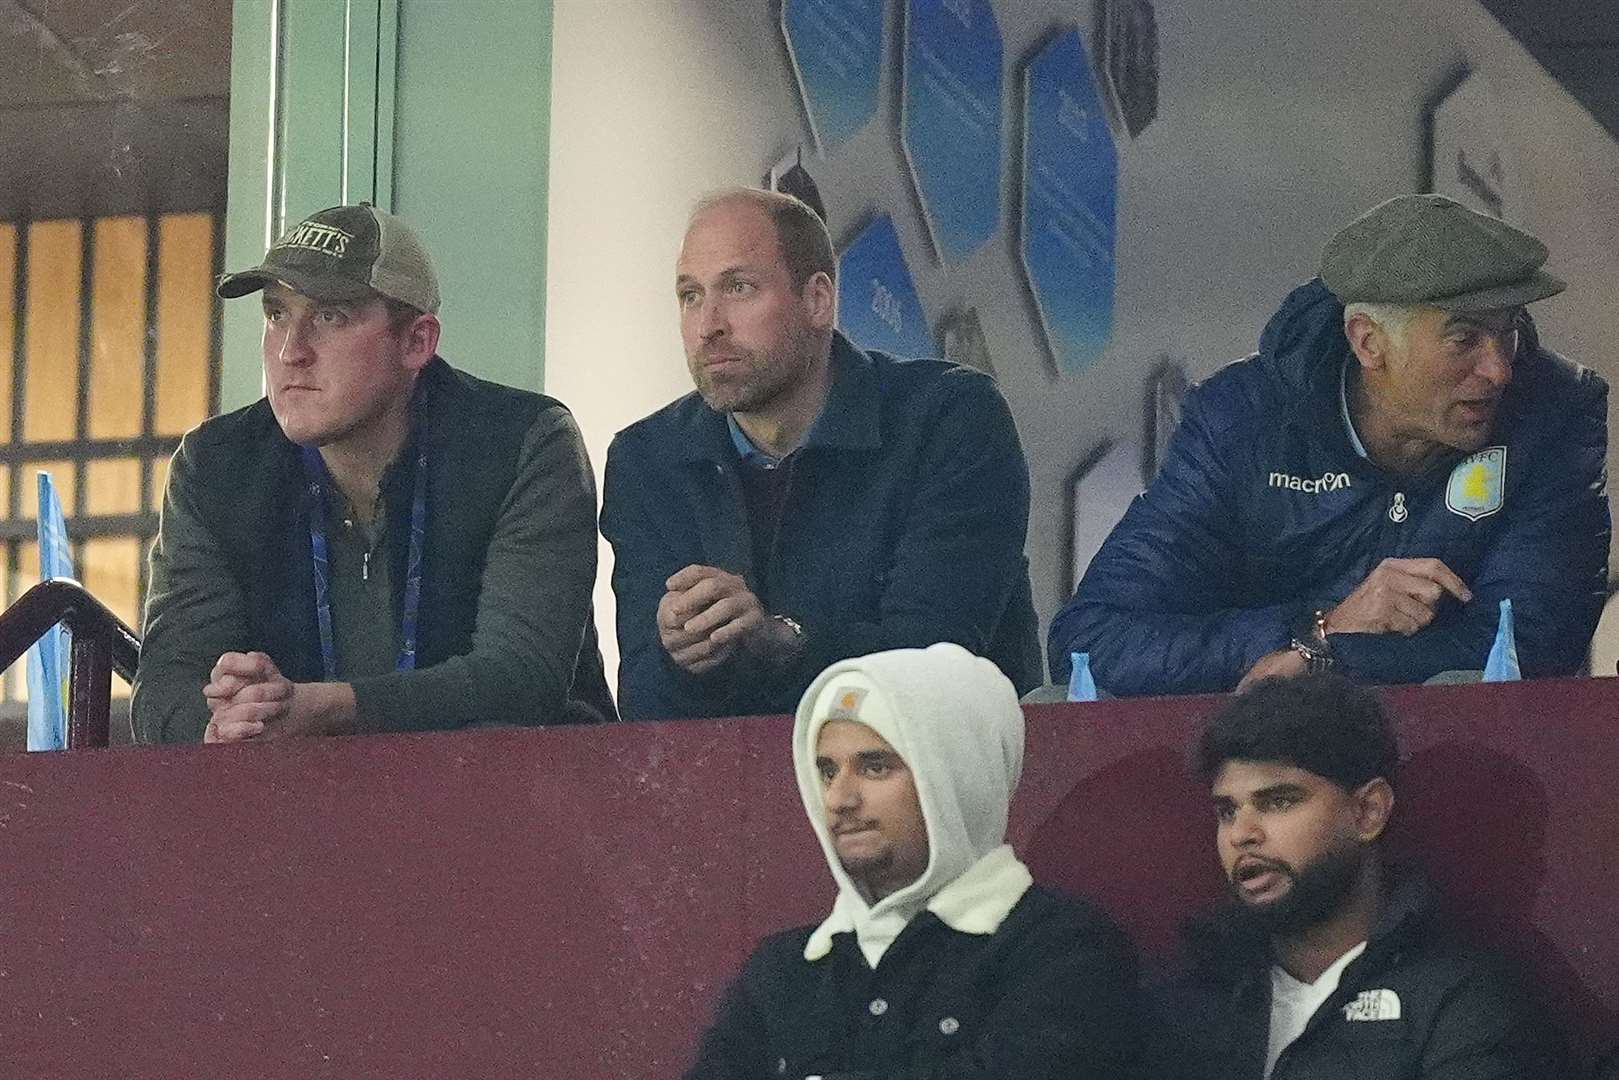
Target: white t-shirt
(1292, 1003)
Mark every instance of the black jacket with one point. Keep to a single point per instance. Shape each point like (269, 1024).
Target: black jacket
(1051, 994)
(1461, 1017)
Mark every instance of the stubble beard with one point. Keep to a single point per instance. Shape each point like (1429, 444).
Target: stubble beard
(746, 391)
(765, 376)
(1469, 437)
(862, 866)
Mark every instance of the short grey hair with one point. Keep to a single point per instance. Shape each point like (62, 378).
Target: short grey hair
(1395, 319)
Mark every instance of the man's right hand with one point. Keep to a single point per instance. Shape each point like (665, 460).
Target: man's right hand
(1400, 596)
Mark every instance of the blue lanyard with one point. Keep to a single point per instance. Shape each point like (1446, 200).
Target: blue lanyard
(319, 478)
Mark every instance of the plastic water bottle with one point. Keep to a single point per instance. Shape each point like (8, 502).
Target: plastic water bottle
(1502, 666)
(1081, 687)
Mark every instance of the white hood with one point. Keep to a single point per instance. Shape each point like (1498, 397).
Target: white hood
(954, 719)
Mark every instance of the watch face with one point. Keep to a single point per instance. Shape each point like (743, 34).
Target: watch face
(1315, 659)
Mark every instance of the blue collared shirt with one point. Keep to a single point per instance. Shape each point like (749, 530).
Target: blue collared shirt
(752, 456)
(755, 458)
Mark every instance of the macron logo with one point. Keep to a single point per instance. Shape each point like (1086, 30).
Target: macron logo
(1332, 481)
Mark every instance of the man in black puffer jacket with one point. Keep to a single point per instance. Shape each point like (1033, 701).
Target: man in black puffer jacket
(1332, 965)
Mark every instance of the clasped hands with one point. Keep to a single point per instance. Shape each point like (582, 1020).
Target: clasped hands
(1400, 596)
(249, 698)
(707, 615)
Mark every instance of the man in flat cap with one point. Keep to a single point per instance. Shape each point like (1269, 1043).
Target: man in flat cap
(1399, 457)
(382, 543)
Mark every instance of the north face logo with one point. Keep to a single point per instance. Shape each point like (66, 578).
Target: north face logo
(1374, 1005)
(1332, 481)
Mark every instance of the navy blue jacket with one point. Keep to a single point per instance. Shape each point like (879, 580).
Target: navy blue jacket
(903, 526)
(1263, 512)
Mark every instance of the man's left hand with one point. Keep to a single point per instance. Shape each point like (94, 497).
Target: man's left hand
(1281, 664)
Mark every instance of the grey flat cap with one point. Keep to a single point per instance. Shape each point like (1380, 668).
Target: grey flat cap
(1427, 249)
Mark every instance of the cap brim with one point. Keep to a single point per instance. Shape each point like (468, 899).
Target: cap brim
(1537, 286)
(314, 286)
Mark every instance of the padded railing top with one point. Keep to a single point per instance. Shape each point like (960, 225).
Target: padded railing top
(65, 600)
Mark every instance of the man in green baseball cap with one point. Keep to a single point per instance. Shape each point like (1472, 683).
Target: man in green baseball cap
(1399, 459)
(382, 542)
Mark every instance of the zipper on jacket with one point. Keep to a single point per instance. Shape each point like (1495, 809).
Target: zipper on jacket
(1397, 510)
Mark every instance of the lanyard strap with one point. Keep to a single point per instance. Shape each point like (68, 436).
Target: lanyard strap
(319, 479)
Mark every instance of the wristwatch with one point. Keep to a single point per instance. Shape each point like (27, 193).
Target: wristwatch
(791, 624)
(1310, 642)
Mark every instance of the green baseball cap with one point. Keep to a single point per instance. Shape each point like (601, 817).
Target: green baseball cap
(345, 253)
(1430, 250)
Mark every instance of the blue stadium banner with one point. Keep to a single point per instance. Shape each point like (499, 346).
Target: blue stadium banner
(836, 47)
(1070, 190)
(877, 303)
(951, 112)
(48, 658)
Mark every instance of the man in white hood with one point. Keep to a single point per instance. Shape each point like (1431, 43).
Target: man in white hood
(940, 958)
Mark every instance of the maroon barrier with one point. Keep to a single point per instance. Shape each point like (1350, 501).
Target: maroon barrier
(569, 902)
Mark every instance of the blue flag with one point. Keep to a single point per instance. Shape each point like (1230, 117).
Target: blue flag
(48, 659)
(1081, 686)
(1502, 666)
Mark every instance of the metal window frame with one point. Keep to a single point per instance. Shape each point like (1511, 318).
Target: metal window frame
(144, 448)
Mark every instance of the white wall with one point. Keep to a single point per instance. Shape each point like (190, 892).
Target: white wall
(1279, 120)
(651, 104)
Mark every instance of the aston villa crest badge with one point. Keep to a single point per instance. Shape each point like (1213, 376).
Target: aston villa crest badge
(1476, 484)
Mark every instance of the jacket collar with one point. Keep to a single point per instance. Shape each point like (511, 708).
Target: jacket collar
(429, 432)
(849, 420)
(1234, 961)
(977, 902)
(1304, 346)
(429, 429)
(432, 428)
(1228, 942)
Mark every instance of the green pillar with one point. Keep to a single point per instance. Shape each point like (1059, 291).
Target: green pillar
(438, 111)
(471, 167)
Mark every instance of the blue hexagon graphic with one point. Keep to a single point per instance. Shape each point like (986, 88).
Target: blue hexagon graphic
(1070, 193)
(950, 120)
(877, 303)
(836, 48)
